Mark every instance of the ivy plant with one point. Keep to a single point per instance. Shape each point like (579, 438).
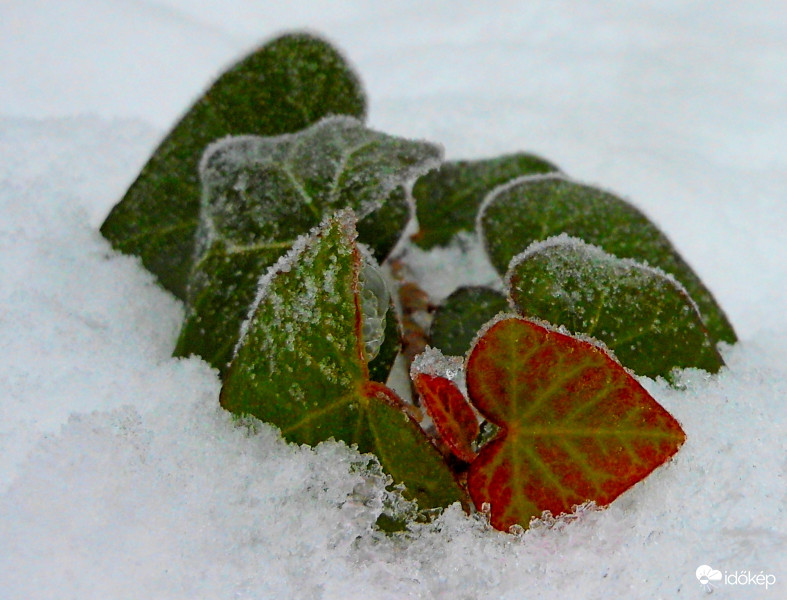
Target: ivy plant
(273, 212)
(286, 85)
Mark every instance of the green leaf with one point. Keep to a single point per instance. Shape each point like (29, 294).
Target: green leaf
(288, 84)
(380, 366)
(457, 320)
(302, 365)
(447, 200)
(646, 317)
(381, 229)
(260, 194)
(574, 425)
(533, 209)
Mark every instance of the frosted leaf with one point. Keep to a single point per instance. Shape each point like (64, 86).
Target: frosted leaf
(301, 366)
(643, 315)
(254, 186)
(447, 199)
(531, 209)
(260, 194)
(574, 425)
(159, 215)
(455, 422)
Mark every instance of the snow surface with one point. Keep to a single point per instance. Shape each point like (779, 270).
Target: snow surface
(121, 478)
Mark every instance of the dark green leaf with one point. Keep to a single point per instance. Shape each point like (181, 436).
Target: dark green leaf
(260, 194)
(447, 200)
(460, 316)
(381, 229)
(534, 209)
(302, 365)
(643, 315)
(286, 85)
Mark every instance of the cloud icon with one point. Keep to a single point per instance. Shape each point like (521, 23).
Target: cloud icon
(706, 573)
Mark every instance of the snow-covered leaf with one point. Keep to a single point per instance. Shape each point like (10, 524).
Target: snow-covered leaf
(286, 85)
(457, 320)
(260, 194)
(533, 209)
(302, 365)
(643, 315)
(574, 425)
(447, 199)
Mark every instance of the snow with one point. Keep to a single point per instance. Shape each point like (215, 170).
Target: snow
(121, 478)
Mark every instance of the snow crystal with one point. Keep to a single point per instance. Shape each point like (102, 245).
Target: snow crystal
(433, 362)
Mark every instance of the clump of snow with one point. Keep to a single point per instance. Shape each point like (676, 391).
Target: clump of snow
(433, 362)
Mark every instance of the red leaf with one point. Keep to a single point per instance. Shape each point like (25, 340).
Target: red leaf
(452, 415)
(575, 426)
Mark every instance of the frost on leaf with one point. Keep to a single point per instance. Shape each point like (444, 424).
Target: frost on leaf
(286, 85)
(574, 425)
(447, 199)
(260, 194)
(533, 209)
(643, 315)
(301, 366)
(457, 320)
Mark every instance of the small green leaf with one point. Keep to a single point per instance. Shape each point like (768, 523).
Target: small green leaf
(260, 194)
(574, 425)
(460, 316)
(288, 84)
(302, 365)
(643, 315)
(533, 209)
(447, 199)
(380, 366)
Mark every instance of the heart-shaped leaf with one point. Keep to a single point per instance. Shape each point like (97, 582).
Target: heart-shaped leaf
(302, 365)
(643, 315)
(533, 209)
(260, 194)
(457, 320)
(288, 84)
(574, 425)
(447, 199)
(453, 417)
